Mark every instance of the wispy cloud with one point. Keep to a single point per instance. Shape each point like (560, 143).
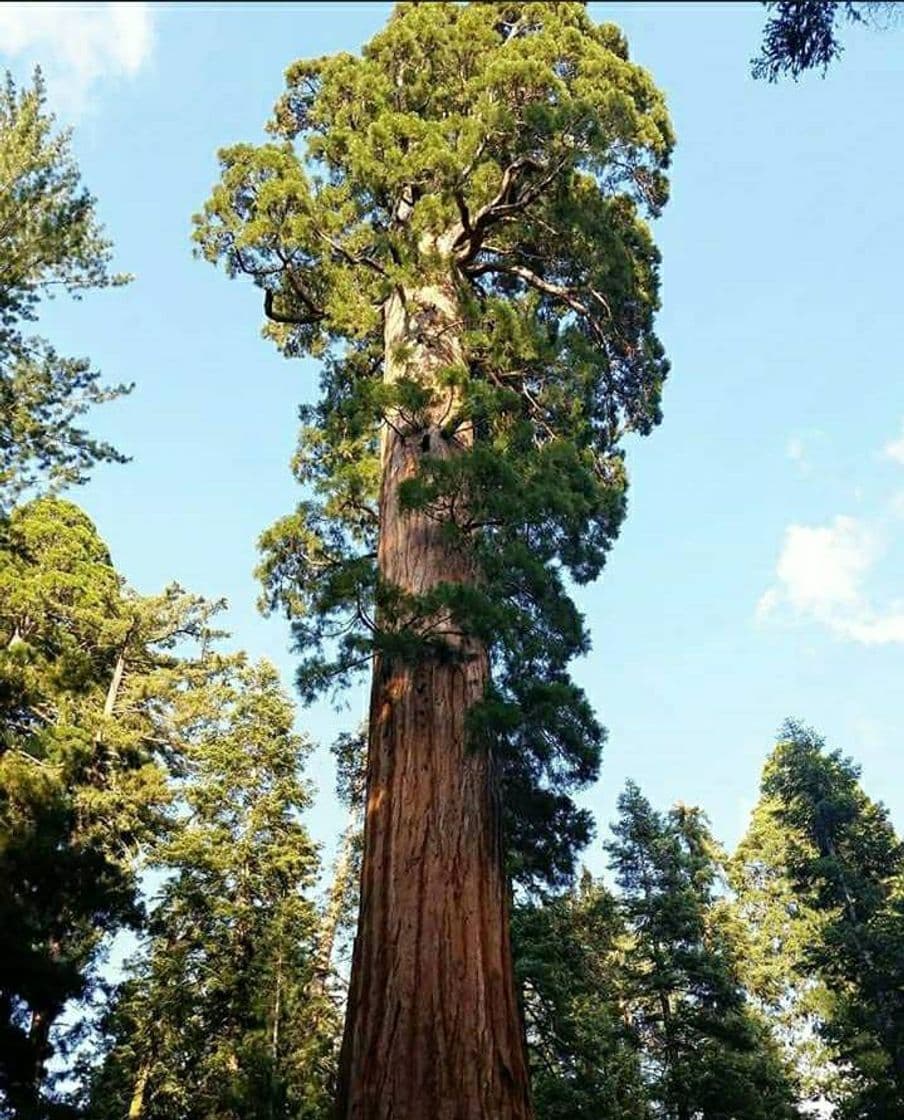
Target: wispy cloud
(822, 576)
(803, 448)
(895, 448)
(77, 46)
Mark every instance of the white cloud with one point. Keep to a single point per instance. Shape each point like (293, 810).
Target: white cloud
(822, 568)
(895, 449)
(76, 45)
(803, 447)
(821, 577)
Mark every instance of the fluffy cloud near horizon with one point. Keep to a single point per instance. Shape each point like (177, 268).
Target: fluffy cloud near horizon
(77, 46)
(822, 576)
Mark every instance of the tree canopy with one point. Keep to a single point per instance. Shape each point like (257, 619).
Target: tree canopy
(843, 918)
(710, 1054)
(220, 1015)
(86, 675)
(50, 241)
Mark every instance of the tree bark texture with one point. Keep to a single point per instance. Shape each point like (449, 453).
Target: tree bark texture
(433, 1028)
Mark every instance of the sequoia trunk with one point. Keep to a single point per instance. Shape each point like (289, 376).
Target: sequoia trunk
(433, 1029)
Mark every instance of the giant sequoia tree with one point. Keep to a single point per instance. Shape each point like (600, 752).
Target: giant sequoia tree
(454, 222)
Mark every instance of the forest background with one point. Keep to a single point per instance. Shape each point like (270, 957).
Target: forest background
(754, 576)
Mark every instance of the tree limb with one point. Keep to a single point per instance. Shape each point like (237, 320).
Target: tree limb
(278, 317)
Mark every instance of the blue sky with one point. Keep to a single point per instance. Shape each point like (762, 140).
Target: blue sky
(758, 574)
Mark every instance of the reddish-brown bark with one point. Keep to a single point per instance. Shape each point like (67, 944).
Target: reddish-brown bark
(433, 1029)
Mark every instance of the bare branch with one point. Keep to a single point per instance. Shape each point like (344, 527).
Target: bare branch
(566, 295)
(278, 317)
(467, 230)
(502, 200)
(506, 203)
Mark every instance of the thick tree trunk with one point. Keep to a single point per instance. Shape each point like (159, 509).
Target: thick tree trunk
(433, 1028)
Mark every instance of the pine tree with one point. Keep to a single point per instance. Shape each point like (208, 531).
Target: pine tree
(778, 926)
(220, 1018)
(85, 669)
(584, 1055)
(709, 1055)
(454, 222)
(845, 866)
(49, 240)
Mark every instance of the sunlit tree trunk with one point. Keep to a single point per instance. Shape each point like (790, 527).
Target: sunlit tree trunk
(136, 1104)
(433, 1029)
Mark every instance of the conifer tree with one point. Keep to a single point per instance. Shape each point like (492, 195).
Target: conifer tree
(584, 1053)
(85, 672)
(845, 865)
(802, 35)
(709, 1055)
(220, 1018)
(50, 240)
(777, 926)
(454, 222)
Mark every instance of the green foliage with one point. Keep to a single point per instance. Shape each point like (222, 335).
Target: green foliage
(802, 35)
(709, 1054)
(219, 1017)
(86, 670)
(585, 1056)
(844, 865)
(778, 926)
(49, 240)
(508, 154)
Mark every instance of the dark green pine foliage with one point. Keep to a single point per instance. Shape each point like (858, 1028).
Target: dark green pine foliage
(707, 1055)
(802, 35)
(86, 670)
(49, 241)
(512, 151)
(221, 1017)
(585, 1055)
(846, 865)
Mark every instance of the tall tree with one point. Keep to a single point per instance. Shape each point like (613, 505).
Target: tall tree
(709, 1055)
(778, 926)
(802, 35)
(453, 221)
(49, 240)
(85, 670)
(220, 1018)
(846, 865)
(569, 960)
